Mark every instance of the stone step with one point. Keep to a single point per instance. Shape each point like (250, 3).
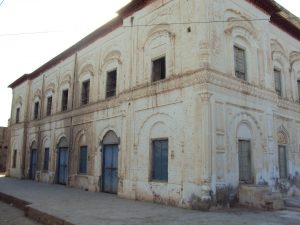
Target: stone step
(33, 213)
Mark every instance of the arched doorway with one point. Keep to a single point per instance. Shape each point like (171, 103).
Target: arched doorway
(33, 161)
(62, 161)
(110, 146)
(244, 136)
(282, 155)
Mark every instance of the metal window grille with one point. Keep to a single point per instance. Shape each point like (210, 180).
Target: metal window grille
(244, 161)
(83, 160)
(64, 101)
(282, 161)
(277, 79)
(111, 83)
(160, 160)
(240, 62)
(49, 105)
(85, 92)
(159, 69)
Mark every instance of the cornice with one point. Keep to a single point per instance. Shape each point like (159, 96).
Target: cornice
(201, 77)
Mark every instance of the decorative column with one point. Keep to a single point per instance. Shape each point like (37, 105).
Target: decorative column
(205, 151)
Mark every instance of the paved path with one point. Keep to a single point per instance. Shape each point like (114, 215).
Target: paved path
(88, 208)
(12, 216)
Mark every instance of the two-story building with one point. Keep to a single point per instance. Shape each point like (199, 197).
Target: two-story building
(173, 101)
(4, 143)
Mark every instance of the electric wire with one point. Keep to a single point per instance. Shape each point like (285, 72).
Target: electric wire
(158, 24)
(1, 2)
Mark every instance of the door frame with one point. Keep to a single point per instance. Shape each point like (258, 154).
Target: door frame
(30, 165)
(58, 165)
(103, 168)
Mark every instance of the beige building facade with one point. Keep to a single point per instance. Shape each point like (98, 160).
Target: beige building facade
(177, 102)
(4, 145)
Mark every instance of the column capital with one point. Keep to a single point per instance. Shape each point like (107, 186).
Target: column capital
(205, 96)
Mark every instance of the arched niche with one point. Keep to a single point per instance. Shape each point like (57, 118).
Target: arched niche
(33, 145)
(244, 132)
(63, 143)
(282, 138)
(110, 138)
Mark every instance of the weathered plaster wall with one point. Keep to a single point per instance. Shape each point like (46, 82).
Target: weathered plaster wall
(201, 107)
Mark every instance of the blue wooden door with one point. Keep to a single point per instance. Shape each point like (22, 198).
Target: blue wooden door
(62, 165)
(110, 169)
(33, 164)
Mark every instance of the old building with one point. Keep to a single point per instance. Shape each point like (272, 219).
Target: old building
(4, 143)
(173, 101)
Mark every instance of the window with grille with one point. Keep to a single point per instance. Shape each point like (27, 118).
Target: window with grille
(240, 62)
(14, 162)
(49, 105)
(244, 161)
(85, 92)
(160, 160)
(298, 85)
(64, 100)
(18, 115)
(282, 161)
(159, 69)
(36, 110)
(111, 83)
(277, 79)
(83, 159)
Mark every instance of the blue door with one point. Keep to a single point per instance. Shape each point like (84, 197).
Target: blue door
(110, 169)
(62, 165)
(33, 164)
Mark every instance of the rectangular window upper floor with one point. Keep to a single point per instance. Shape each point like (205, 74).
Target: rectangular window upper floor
(159, 69)
(18, 115)
(85, 92)
(277, 81)
(111, 83)
(240, 62)
(64, 100)
(49, 106)
(36, 110)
